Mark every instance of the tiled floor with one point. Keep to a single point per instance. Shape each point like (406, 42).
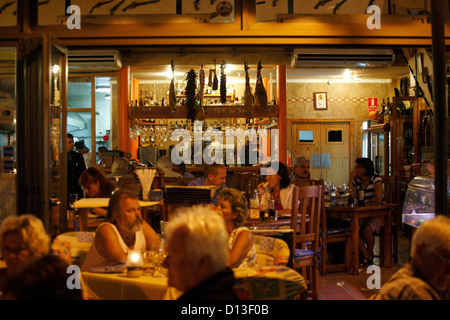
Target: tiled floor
(345, 286)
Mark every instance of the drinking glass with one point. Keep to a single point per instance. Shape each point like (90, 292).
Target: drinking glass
(159, 254)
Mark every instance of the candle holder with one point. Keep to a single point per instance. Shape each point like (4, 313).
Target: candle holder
(135, 261)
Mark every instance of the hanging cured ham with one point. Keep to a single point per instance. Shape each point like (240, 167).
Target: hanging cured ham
(248, 98)
(223, 83)
(191, 101)
(201, 88)
(215, 84)
(172, 97)
(260, 91)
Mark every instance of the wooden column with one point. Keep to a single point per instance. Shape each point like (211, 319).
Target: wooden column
(282, 119)
(440, 106)
(124, 123)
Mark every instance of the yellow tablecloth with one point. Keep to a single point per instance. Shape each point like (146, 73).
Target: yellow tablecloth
(262, 283)
(103, 202)
(104, 286)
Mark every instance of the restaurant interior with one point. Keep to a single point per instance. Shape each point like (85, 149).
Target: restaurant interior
(315, 81)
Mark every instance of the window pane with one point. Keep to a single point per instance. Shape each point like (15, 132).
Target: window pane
(79, 93)
(306, 136)
(103, 111)
(79, 125)
(334, 135)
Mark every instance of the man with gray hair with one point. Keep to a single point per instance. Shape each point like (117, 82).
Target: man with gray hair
(197, 253)
(301, 168)
(427, 276)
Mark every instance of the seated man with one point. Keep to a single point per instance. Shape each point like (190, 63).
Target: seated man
(214, 175)
(427, 276)
(181, 169)
(301, 168)
(125, 230)
(197, 254)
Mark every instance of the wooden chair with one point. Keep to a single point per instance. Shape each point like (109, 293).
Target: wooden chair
(328, 234)
(304, 246)
(246, 182)
(389, 196)
(131, 185)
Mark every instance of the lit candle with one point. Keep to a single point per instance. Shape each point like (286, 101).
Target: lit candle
(135, 262)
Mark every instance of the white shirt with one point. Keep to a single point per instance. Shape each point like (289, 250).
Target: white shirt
(95, 259)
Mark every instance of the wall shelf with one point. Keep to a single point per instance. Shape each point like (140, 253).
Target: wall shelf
(212, 111)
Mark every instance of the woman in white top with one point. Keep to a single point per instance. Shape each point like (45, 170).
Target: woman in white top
(234, 210)
(277, 187)
(124, 231)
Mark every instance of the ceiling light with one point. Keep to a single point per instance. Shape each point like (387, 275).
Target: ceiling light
(103, 89)
(347, 74)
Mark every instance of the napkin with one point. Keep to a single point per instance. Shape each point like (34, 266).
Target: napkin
(111, 268)
(146, 178)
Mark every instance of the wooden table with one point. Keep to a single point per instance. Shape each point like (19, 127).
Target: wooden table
(83, 205)
(355, 214)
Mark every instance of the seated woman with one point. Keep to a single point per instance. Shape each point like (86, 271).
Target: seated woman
(364, 174)
(234, 210)
(96, 185)
(123, 230)
(120, 169)
(22, 239)
(277, 187)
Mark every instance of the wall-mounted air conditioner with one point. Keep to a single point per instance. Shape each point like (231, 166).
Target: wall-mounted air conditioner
(342, 58)
(94, 60)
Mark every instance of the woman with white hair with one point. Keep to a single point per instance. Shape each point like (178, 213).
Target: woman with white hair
(22, 238)
(197, 254)
(165, 164)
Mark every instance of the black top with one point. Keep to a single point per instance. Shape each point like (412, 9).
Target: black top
(75, 167)
(217, 287)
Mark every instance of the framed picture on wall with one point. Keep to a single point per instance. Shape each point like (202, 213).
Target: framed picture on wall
(320, 101)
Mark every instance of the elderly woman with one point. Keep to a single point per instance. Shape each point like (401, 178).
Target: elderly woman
(96, 185)
(277, 187)
(22, 238)
(234, 210)
(364, 175)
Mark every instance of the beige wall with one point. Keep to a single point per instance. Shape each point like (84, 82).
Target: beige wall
(345, 101)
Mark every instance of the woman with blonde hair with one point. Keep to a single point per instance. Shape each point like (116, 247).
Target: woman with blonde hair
(22, 239)
(120, 168)
(234, 210)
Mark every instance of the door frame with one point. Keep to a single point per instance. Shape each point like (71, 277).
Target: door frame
(351, 133)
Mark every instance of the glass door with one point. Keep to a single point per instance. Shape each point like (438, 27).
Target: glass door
(8, 143)
(41, 128)
(92, 102)
(380, 154)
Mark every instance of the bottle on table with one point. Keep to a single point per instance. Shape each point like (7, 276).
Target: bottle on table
(333, 196)
(254, 205)
(360, 195)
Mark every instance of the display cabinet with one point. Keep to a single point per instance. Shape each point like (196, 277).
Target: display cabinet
(379, 138)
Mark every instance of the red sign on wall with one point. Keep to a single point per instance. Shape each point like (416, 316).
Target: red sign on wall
(373, 104)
